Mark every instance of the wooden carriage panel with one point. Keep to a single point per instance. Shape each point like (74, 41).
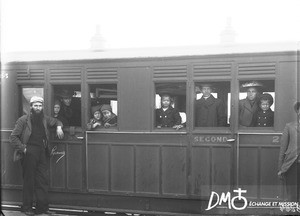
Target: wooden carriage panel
(211, 164)
(147, 169)
(65, 74)
(248, 170)
(11, 172)
(138, 163)
(174, 169)
(58, 168)
(98, 167)
(100, 73)
(134, 95)
(286, 93)
(212, 70)
(221, 168)
(269, 182)
(258, 162)
(200, 170)
(122, 168)
(9, 94)
(32, 73)
(74, 166)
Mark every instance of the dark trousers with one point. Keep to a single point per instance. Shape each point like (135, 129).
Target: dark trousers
(35, 178)
(292, 181)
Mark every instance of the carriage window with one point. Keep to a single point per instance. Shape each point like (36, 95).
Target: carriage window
(212, 105)
(103, 107)
(27, 93)
(67, 104)
(256, 103)
(170, 105)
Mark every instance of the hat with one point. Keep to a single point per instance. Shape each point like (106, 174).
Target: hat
(268, 97)
(65, 93)
(254, 84)
(57, 102)
(106, 107)
(297, 106)
(95, 108)
(35, 99)
(206, 85)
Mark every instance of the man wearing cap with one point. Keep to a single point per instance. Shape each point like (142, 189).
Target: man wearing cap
(248, 107)
(210, 111)
(289, 157)
(30, 141)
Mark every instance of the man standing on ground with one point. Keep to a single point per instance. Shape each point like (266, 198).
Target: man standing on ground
(289, 157)
(30, 140)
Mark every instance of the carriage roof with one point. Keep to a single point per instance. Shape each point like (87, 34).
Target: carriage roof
(131, 53)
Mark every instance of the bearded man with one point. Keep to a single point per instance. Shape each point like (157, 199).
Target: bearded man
(30, 141)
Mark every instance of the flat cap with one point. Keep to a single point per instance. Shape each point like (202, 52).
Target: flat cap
(35, 99)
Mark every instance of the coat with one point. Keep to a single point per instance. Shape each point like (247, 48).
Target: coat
(210, 112)
(22, 131)
(290, 146)
(264, 119)
(167, 118)
(247, 112)
(89, 125)
(113, 120)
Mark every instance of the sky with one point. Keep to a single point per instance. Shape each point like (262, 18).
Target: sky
(41, 25)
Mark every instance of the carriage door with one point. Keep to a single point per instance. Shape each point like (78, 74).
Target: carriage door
(212, 141)
(65, 104)
(257, 142)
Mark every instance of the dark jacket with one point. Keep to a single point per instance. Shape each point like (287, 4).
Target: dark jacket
(113, 120)
(210, 112)
(264, 118)
(167, 118)
(89, 125)
(72, 113)
(290, 146)
(247, 112)
(22, 131)
(62, 119)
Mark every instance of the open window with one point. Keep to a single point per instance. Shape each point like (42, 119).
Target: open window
(103, 106)
(256, 103)
(26, 94)
(212, 104)
(173, 112)
(67, 104)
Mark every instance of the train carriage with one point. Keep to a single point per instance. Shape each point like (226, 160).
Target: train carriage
(136, 167)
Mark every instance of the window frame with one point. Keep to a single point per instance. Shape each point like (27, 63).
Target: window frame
(211, 130)
(88, 111)
(254, 128)
(20, 104)
(169, 130)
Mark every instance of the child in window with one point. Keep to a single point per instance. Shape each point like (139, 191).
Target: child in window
(96, 121)
(167, 116)
(109, 118)
(265, 116)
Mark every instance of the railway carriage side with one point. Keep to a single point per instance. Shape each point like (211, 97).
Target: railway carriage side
(135, 166)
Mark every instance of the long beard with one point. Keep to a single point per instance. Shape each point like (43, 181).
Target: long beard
(37, 117)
